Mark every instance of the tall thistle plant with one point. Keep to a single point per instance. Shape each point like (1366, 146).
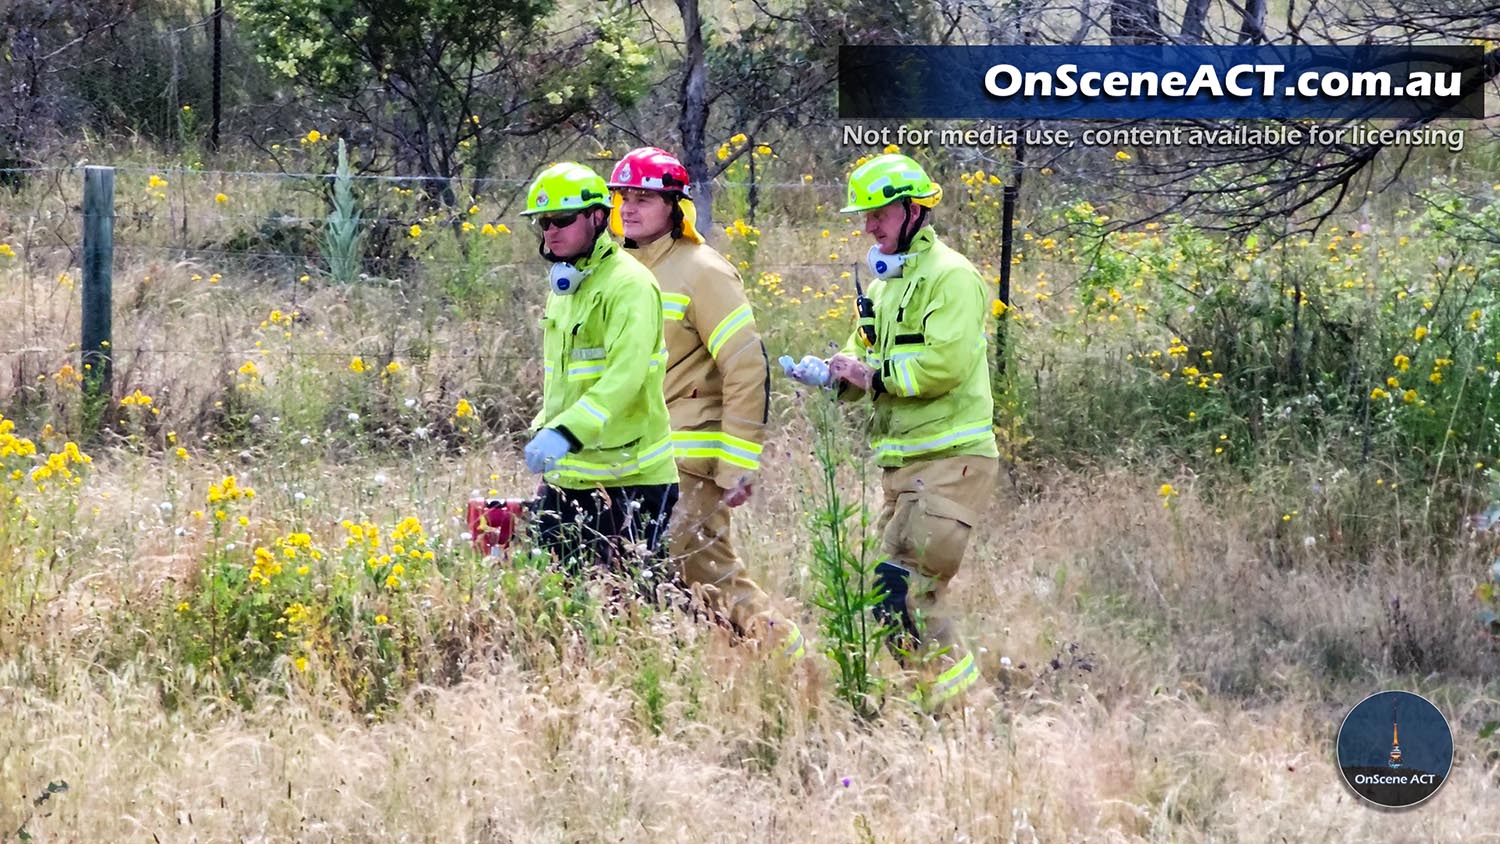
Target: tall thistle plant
(342, 239)
(844, 584)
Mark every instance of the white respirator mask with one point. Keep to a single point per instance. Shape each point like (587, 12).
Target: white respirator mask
(565, 278)
(883, 265)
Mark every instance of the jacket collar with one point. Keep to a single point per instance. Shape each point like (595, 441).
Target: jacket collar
(604, 246)
(922, 240)
(652, 253)
(921, 243)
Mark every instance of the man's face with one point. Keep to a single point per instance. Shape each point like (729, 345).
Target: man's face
(568, 235)
(884, 224)
(645, 214)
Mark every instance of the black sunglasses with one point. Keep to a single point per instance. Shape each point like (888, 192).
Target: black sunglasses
(556, 221)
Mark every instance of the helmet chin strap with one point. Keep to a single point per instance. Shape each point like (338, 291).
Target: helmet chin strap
(889, 265)
(565, 276)
(909, 227)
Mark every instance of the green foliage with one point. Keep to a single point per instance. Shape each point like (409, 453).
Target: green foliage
(342, 234)
(444, 81)
(1378, 345)
(39, 505)
(845, 586)
(266, 609)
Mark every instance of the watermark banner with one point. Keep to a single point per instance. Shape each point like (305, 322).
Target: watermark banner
(1161, 82)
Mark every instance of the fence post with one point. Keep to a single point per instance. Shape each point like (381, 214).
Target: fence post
(218, 75)
(1007, 248)
(98, 260)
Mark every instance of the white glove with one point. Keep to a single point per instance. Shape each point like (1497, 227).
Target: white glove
(811, 370)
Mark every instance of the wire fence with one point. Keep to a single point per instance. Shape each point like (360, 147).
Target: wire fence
(210, 267)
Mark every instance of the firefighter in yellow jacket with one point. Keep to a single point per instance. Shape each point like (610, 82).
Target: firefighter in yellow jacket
(920, 352)
(717, 388)
(603, 437)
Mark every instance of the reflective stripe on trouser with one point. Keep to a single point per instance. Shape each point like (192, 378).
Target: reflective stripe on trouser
(699, 542)
(954, 681)
(929, 511)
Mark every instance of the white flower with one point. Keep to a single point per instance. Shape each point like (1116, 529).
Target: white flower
(229, 546)
(353, 417)
(466, 536)
(165, 506)
(1309, 542)
(305, 441)
(299, 496)
(381, 478)
(411, 402)
(1004, 662)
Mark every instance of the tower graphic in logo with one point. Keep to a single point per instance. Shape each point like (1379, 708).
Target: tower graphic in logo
(1373, 761)
(1394, 760)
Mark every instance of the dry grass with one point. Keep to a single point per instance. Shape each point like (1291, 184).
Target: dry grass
(1145, 728)
(1175, 673)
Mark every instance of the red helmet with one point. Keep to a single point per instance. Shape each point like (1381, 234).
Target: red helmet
(649, 168)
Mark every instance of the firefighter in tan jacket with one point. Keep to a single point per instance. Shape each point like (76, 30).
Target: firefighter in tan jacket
(717, 389)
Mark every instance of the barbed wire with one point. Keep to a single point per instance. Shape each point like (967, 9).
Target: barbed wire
(529, 267)
(372, 177)
(407, 353)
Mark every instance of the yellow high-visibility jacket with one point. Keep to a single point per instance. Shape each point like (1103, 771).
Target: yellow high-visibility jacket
(932, 385)
(718, 381)
(603, 367)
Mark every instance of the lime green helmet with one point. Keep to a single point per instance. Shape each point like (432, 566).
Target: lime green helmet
(887, 178)
(568, 186)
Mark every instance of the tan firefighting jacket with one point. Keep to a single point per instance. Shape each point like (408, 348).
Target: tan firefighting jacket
(718, 381)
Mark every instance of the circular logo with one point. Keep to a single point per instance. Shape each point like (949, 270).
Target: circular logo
(1395, 749)
(541, 199)
(880, 266)
(564, 284)
(625, 173)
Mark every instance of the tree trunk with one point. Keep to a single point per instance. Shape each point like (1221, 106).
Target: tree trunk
(1134, 22)
(1193, 21)
(693, 123)
(1253, 22)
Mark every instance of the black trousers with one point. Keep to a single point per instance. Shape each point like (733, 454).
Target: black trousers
(616, 528)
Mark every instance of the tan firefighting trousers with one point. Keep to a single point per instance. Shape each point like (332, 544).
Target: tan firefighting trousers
(930, 508)
(701, 547)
